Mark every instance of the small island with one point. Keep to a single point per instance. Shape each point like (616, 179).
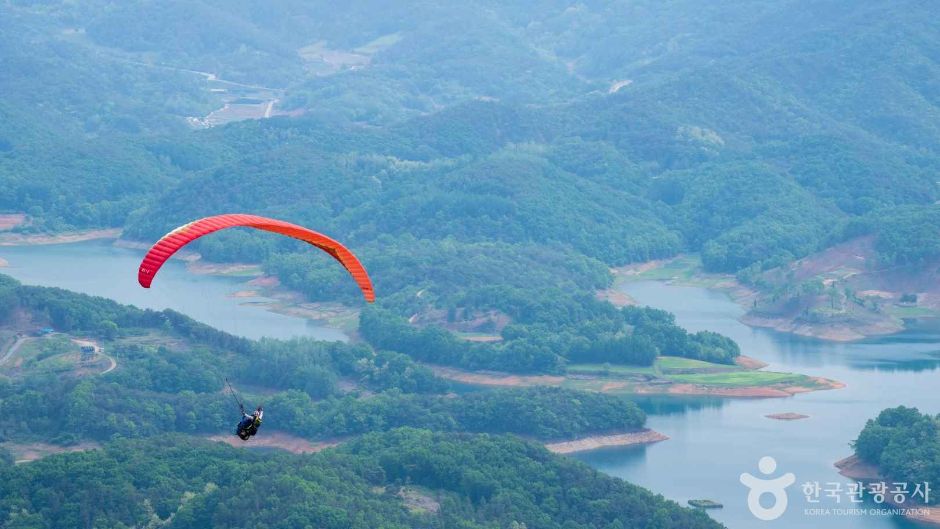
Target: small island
(705, 504)
(788, 416)
(900, 445)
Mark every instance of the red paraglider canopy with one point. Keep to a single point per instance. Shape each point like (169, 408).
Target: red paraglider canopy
(176, 239)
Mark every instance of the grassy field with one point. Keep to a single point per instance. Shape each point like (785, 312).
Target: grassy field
(671, 375)
(903, 311)
(742, 378)
(611, 369)
(664, 365)
(616, 378)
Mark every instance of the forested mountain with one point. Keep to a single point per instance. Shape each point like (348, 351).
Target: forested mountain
(172, 370)
(168, 392)
(404, 478)
(449, 143)
(489, 162)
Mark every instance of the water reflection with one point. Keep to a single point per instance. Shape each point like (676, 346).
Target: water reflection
(99, 268)
(672, 405)
(712, 441)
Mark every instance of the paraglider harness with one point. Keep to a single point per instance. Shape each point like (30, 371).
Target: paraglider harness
(249, 424)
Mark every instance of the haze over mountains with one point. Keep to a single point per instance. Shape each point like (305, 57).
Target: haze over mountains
(490, 162)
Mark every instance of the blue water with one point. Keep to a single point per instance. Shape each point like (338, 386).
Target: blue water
(714, 440)
(99, 268)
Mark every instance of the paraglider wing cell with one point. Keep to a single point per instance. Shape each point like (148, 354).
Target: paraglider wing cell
(176, 239)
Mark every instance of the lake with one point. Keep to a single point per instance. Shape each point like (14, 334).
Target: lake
(713, 440)
(102, 269)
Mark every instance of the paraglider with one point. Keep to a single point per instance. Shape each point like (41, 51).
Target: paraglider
(248, 426)
(172, 242)
(185, 234)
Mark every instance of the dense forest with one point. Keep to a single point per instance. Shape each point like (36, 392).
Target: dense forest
(904, 444)
(464, 481)
(171, 380)
(490, 162)
(630, 335)
(168, 393)
(411, 138)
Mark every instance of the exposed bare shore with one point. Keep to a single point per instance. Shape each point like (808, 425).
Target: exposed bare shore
(854, 468)
(133, 245)
(837, 331)
(22, 239)
(833, 332)
(279, 440)
(197, 266)
(645, 436)
(754, 392)
(750, 363)
(8, 221)
(788, 416)
(621, 386)
(493, 378)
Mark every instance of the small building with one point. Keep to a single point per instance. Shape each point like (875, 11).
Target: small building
(45, 331)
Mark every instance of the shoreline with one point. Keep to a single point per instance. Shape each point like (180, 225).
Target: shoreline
(831, 332)
(627, 386)
(596, 442)
(256, 284)
(839, 332)
(37, 239)
(853, 467)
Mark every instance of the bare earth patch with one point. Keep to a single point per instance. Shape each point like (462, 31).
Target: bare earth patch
(484, 378)
(824, 383)
(645, 436)
(418, 502)
(244, 294)
(642, 386)
(788, 416)
(483, 338)
(8, 221)
(834, 332)
(745, 392)
(854, 468)
(25, 453)
(204, 268)
(265, 282)
(749, 363)
(19, 239)
(616, 297)
(279, 440)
